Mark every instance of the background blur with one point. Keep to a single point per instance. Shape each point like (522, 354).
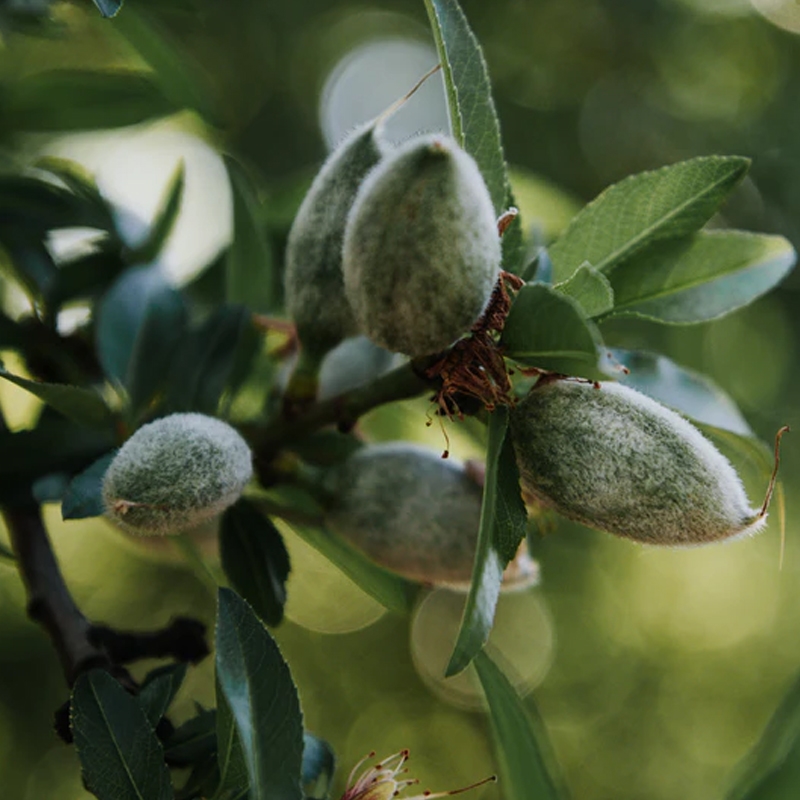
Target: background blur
(654, 670)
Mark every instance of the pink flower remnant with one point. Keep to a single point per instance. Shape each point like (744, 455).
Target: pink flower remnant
(381, 781)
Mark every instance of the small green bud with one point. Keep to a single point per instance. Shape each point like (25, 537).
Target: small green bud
(175, 473)
(615, 460)
(408, 510)
(421, 248)
(314, 286)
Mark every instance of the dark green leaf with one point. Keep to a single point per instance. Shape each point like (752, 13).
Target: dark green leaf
(202, 782)
(255, 560)
(390, 590)
(234, 781)
(84, 495)
(683, 389)
(666, 203)
(548, 330)
(487, 573)
(326, 447)
(55, 445)
(32, 264)
(771, 770)
(108, 8)
(121, 757)
(319, 764)
(591, 289)
(164, 219)
(84, 406)
(248, 268)
(193, 741)
(157, 341)
(701, 277)
(510, 514)
(262, 697)
(86, 276)
(159, 690)
(205, 359)
(69, 100)
(469, 95)
(12, 334)
(527, 766)
(122, 312)
(180, 78)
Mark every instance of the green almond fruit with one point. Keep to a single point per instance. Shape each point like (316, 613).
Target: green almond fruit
(176, 473)
(616, 460)
(421, 248)
(315, 297)
(408, 510)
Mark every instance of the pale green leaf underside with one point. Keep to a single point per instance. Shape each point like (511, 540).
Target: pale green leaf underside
(666, 203)
(701, 277)
(469, 95)
(683, 389)
(520, 738)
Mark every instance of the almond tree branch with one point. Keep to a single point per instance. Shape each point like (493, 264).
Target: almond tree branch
(344, 411)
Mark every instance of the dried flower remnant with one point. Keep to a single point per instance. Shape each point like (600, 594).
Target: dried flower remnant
(381, 781)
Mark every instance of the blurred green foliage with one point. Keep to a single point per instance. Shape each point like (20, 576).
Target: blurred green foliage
(666, 665)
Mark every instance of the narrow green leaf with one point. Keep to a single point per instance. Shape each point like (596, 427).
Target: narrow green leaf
(258, 687)
(121, 757)
(527, 766)
(548, 330)
(683, 389)
(234, 780)
(510, 514)
(487, 573)
(84, 495)
(701, 277)
(469, 95)
(193, 741)
(390, 590)
(30, 205)
(319, 764)
(82, 184)
(159, 690)
(122, 312)
(84, 406)
(164, 219)
(73, 100)
(666, 203)
(249, 271)
(771, 770)
(12, 335)
(591, 289)
(255, 560)
(180, 78)
(108, 8)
